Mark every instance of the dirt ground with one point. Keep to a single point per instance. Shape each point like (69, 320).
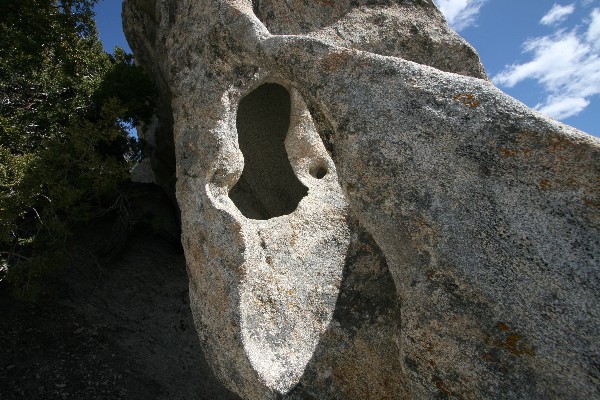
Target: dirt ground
(118, 330)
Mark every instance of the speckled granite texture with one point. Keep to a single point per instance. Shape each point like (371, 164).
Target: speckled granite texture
(365, 216)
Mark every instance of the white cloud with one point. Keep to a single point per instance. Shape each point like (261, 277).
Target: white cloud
(460, 13)
(567, 66)
(557, 14)
(563, 107)
(593, 33)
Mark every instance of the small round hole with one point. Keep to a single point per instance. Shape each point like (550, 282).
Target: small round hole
(318, 171)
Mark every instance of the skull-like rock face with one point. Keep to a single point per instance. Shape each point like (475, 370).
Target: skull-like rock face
(288, 213)
(341, 162)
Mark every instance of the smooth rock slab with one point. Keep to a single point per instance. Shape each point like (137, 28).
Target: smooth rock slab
(484, 213)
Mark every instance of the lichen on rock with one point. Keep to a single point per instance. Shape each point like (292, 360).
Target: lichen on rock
(364, 214)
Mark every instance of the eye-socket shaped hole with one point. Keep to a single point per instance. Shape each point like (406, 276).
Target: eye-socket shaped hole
(318, 170)
(268, 186)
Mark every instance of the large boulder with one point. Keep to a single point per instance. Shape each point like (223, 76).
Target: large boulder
(364, 214)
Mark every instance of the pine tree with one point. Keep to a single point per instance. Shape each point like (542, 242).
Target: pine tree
(65, 106)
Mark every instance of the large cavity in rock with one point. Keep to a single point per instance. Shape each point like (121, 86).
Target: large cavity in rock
(484, 213)
(268, 186)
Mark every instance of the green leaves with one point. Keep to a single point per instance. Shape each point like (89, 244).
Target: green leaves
(65, 106)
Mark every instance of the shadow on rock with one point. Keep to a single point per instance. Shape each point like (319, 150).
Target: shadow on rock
(358, 357)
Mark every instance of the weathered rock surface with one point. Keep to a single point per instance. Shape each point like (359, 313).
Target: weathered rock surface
(364, 214)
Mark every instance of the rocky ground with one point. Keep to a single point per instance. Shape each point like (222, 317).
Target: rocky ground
(112, 330)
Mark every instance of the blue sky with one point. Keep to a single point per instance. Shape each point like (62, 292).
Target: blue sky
(545, 53)
(108, 21)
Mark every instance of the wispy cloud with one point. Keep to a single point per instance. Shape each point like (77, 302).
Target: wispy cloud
(567, 66)
(593, 32)
(557, 14)
(460, 13)
(563, 107)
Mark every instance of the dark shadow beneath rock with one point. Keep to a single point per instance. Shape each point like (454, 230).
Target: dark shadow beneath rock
(118, 331)
(358, 356)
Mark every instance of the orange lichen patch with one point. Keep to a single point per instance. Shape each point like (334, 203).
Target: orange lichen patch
(525, 143)
(440, 386)
(334, 61)
(508, 152)
(594, 206)
(545, 184)
(556, 154)
(503, 327)
(527, 135)
(515, 345)
(489, 357)
(423, 233)
(591, 203)
(515, 152)
(557, 148)
(363, 371)
(468, 99)
(558, 144)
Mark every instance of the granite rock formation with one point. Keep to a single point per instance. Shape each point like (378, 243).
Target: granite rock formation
(364, 214)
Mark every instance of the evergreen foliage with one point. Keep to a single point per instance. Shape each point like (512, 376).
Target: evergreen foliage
(65, 106)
